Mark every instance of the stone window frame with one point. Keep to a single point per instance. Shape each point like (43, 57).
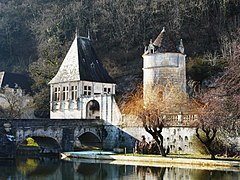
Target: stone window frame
(87, 90)
(107, 90)
(57, 93)
(65, 93)
(74, 92)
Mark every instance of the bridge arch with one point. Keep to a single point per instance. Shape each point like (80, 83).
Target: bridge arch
(45, 144)
(88, 140)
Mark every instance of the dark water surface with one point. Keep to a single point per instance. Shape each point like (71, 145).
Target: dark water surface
(74, 169)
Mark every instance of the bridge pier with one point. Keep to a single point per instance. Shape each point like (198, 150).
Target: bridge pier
(68, 139)
(7, 141)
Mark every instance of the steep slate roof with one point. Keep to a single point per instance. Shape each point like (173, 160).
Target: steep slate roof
(81, 63)
(13, 79)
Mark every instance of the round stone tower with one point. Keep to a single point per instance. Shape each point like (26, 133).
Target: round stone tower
(163, 64)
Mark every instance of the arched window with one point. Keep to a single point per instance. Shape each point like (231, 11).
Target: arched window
(93, 110)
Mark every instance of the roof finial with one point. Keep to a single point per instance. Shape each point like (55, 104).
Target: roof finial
(88, 35)
(181, 47)
(76, 32)
(163, 30)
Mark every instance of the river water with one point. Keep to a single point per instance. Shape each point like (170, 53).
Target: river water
(77, 169)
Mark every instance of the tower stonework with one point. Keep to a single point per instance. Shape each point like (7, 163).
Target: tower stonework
(163, 65)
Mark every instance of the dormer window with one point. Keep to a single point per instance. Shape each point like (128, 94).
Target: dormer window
(87, 90)
(106, 90)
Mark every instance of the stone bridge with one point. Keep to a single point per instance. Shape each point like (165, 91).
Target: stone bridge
(63, 135)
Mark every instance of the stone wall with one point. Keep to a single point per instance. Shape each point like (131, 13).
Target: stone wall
(179, 139)
(115, 137)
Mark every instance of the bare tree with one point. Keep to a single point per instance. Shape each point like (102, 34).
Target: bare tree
(13, 102)
(221, 109)
(209, 121)
(229, 84)
(156, 112)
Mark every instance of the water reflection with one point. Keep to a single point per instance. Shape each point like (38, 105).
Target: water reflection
(199, 174)
(37, 167)
(74, 169)
(101, 171)
(7, 168)
(106, 170)
(27, 167)
(150, 172)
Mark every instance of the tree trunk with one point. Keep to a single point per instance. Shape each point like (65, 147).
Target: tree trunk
(209, 139)
(210, 151)
(160, 146)
(213, 156)
(157, 136)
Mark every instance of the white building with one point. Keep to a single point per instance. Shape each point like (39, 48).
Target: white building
(82, 88)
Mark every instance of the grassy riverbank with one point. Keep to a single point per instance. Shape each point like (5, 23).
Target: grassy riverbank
(156, 160)
(191, 156)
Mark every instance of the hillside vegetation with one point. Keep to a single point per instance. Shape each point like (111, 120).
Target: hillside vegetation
(35, 35)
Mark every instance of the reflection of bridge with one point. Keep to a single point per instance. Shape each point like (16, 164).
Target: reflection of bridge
(62, 135)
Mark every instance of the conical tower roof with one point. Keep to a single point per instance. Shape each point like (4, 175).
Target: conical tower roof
(81, 63)
(163, 43)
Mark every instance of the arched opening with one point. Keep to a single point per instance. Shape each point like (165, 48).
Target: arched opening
(93, 110)
(36, 145)
(88, 141)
